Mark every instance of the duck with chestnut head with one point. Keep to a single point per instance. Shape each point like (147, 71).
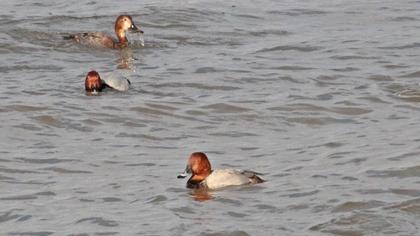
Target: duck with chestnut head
(95, 84)
(202, 175)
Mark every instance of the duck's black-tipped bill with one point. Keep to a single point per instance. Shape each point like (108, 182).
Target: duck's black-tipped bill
(187, 171)
(182, 176)
(134, 29)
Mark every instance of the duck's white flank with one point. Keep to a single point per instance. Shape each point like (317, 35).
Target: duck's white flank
(227, 177)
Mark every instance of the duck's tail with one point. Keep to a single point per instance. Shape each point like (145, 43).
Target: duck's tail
(256, 179)
(253, 176)
(70, 36)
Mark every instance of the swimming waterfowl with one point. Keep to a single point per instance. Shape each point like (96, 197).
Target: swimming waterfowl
(204, 177)
(94, 83)
(101, 40)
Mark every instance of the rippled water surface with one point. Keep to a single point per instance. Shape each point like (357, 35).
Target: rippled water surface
(320, 96)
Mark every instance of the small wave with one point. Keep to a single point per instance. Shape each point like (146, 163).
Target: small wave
(309, 107)
(195, 85)
(403, 19)
(408, 172)
(351, 206)
(346, 69)
(302, 194)
(25, 108)
(248, 16)
(264, 33)
(415, 74)
(44, 160)
(298, 12)
(318, 120)
(98, 221)
(158, 199)
(31, 233)
(411, 95)
(380, 78)
(67, 171)
(344, 58)
(290, 48)
(411, 206)
(226, 233)
(291, 68)
(233, 134)
(407, 46)
(28, 196)
(225, 108)
(7, 216)
(112, 199)
(361, 223)
(18, 171)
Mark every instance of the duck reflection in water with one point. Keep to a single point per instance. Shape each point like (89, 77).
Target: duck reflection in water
(126, 60)
(201, 195)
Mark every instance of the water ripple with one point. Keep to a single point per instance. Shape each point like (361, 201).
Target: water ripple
(290, 48)
(98, 221)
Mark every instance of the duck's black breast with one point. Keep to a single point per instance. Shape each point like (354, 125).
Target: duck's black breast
(194, 184)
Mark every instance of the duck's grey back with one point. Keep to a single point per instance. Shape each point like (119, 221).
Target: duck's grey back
(116, 81)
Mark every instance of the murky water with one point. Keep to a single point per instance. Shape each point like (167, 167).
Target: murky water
(321, 96)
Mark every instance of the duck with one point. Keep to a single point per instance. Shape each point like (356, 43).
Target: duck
(203, 177)
(94, 83)
(123, 23)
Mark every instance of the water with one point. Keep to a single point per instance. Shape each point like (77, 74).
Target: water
(321, 96)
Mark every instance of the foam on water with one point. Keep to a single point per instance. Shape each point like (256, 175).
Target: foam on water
(141, 39)
(136, 39)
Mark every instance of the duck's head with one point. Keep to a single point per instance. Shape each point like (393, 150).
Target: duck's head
(125, 23)
(198, 165)
(93, 82)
